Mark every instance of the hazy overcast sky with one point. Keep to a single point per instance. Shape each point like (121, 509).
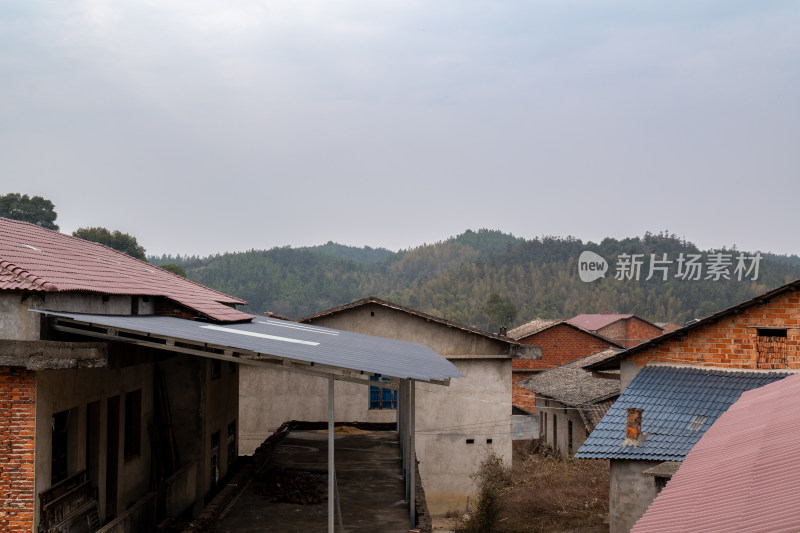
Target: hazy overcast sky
(209, 126)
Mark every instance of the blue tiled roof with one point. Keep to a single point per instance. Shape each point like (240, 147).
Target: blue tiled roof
(670, 397)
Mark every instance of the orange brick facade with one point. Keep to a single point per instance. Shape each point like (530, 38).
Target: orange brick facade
(560, 344)
(732, 341)
(17, 433)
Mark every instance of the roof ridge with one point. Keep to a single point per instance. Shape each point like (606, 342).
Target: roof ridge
(409, 310)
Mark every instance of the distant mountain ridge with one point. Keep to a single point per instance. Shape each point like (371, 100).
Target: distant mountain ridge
(454, 278)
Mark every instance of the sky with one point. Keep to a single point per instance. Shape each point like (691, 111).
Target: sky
(208, 126)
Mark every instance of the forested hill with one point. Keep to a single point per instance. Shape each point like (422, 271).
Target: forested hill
(455, 277)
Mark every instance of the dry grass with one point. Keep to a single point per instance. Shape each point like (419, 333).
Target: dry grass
(549, 494)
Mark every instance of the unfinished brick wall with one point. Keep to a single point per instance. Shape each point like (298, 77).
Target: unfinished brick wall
(17, 434)
(732, 341)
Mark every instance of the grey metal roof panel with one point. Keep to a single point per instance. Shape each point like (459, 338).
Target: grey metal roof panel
(291, 340)
(671, 397)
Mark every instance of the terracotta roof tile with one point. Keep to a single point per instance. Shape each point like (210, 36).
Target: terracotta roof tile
(34, 258)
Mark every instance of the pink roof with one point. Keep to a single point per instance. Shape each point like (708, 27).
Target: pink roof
(37, 259)
(743, 475)
(593, 322)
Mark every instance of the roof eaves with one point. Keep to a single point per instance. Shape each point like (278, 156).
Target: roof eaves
(23, 274)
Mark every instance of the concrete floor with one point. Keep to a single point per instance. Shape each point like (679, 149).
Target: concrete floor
(369, 474)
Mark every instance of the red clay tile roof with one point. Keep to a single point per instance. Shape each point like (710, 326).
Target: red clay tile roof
(37, 259)
(743, 475)
(593, 322)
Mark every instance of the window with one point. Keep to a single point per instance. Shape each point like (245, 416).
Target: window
(58, 465)
(232, 451)
(216, 368)
(231, 367)
(771, 348)
(214, 459)
(569, 436)
(382, 398)
(133, 423)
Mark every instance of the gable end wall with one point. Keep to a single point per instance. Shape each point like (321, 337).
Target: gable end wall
(731, 341)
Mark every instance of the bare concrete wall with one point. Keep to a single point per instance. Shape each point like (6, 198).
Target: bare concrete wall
(556, 431)
(476, 407)
(221, 407)
(630, 493)
(16, 322)
(60, 390)
(380, 321)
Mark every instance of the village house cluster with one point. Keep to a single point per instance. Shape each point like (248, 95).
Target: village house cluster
(130, 396)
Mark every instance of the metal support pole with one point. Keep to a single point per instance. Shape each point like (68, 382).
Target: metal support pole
(331, 469)
(412, 455)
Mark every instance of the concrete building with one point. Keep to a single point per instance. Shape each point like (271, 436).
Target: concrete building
(116, 435)
(570, 401)
(561, 342)
(108, 433)
(456, 426)
(751, 344)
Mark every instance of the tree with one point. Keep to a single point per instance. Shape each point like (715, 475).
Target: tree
(117, 240)
(36, 210)
(501, 310)
(175, 269)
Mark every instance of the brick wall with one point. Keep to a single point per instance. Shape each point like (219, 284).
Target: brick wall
(560, 344)
(17, 430)
(630, 331)
(616, 331)
(523, 398)
(640, 331)
(731, 341)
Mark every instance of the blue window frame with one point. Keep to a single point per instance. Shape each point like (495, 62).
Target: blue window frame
(382, 398)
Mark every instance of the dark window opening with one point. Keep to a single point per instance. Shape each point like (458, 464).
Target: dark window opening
(133, 424)
(569, 436)
(771, 332)
(58, 465)
(380, 398)
(470, 441)
(771, 348)
(134, 305)
(214, 458)
(488, 441)
(232, 452)
(231, 367)
(216, 368)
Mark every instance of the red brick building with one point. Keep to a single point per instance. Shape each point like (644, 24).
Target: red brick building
(757, 337)
(625, 329)
(561, 343)
(762, 333)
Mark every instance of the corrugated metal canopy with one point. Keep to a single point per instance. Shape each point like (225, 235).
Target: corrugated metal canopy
(290, 341)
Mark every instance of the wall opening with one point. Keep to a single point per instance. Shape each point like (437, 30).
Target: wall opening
(771, 348)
